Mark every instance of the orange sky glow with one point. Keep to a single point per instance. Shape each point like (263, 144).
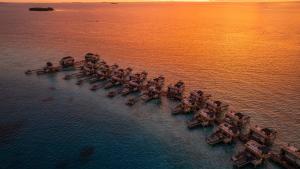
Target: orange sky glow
(41, 1)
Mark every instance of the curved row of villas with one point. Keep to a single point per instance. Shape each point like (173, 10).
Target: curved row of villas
(230, 125)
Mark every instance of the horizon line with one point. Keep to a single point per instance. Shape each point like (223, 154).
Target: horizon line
(168, 1)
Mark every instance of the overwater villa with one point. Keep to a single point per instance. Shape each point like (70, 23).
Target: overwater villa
(65, 64)
(101, 73)
(153, 89)
(253, 153)
(192, 104)
(237, 118)
(49, 68)
(198, 98)
(67, 61)
(185, 107)
(87, 72)
(91, 57)
(135, 83)
(104, 73)
(151, 94)
(87, 66)
(225, 133)
(288, 157)
(214, 111)
(176, 91)
(118, 78)
(90, 64)
(203, 118)
(264, 136)
(94, 72)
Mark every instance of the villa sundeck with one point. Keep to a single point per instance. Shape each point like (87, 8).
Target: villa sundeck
(176, 91)
(65, 64)
(237, 118)
(118, 78)
(225, 133)
(134, 84)
(153, 89)
(203, 118)
(253, 153)
(264, 136)
(185, 107)
(213, 112)
(288, 157)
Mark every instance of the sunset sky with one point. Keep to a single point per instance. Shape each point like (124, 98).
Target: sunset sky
(139, 0)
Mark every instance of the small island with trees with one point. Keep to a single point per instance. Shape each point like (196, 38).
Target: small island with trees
(41, 9)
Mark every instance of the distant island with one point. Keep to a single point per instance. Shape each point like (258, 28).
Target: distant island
(41, 9)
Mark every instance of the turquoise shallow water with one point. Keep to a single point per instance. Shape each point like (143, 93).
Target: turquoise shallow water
(46, 121)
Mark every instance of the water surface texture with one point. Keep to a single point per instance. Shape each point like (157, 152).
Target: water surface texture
(246, 54)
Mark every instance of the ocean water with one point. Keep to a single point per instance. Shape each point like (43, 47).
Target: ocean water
(245, 54)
